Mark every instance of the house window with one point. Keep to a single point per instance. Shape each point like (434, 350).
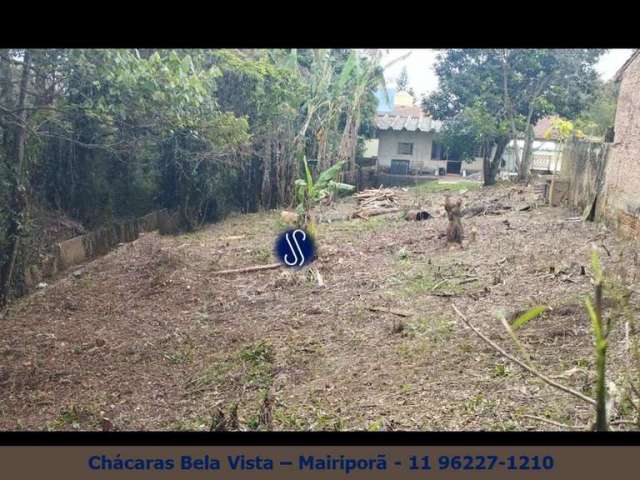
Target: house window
(437, 152)
(405, 148)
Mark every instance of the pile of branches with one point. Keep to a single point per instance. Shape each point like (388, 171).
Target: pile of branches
(496, 205)
(376, 201)
(486, 209)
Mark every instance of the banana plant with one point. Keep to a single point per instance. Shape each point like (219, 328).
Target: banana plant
(309, 192)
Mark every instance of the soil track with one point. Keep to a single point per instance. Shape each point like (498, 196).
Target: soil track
(149, 338)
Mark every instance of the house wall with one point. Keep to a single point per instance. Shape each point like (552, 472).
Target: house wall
(421, 158)
(621, 190)
(370, 148)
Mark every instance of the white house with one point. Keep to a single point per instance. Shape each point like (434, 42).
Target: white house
(406, 142)
(546, 153)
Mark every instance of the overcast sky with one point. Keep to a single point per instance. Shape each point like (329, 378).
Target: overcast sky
(423, 79)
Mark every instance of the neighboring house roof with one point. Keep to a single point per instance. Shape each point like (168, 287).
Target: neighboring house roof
(541, 128)
(410, 119)
(620, 73)
(545, 124)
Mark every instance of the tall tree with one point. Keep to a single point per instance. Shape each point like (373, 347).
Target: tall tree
(403, 80)
(540, 82)
(470, 93)
(18, 195)
(598, 117)
(511, 89)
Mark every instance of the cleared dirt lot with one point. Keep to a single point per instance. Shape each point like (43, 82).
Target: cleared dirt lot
(150, 338)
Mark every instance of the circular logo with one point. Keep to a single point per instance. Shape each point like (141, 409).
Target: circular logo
(295, 248)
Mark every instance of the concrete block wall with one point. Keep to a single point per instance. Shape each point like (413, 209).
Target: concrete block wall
(86, 247)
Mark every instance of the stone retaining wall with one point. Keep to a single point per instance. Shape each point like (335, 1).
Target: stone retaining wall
(91, 245)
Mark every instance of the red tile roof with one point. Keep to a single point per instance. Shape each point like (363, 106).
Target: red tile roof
(541, 128)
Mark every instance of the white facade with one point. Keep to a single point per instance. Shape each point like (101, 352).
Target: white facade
(420, 157)
(420, 160)
(546, 156)
(406, 142)
(370, 148)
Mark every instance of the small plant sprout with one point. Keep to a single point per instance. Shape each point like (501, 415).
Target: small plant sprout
(600, 333)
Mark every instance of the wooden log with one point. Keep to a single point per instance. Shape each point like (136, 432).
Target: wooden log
(373, 212)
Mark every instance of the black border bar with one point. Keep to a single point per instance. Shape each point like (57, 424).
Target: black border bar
(320, 438)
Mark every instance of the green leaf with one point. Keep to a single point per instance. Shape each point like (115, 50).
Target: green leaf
(329, 174)
(595, 322)
(529, 315)
(347, 68)
(341, 187)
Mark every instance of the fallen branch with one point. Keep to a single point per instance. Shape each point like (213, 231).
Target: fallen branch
(557, 424)
(366, 213)
(257, 268)
(486, 210)
(400, 313)
(530, 369)
(624, 422)
(232, 238)
(441, 294)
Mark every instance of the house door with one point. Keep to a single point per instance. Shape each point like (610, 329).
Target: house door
(453, 167)
(400, 167)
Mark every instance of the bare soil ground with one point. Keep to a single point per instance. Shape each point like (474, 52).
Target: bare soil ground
(150, 338)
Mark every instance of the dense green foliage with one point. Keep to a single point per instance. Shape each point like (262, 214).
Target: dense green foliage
(599, 115)
(106, 134)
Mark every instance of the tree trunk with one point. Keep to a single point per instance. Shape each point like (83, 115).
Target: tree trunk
(18, 207)
(525, 165)
(509, 108)
(6, 96)
(491, 166)
(267, 161)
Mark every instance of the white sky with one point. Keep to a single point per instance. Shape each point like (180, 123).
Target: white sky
(423, 79)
